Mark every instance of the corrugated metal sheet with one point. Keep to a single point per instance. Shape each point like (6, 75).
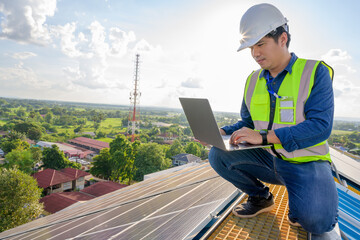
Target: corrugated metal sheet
(349, 212)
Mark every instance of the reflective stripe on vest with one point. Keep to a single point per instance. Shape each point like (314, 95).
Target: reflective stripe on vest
(297, 88)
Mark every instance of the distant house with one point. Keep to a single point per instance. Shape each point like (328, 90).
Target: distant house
(92, 134)
(167, 136)
(77, 175)
(68, 149)
(184, 158)
(3, 133)
(31, 142)
(53, 181)
(101, 188)
(1, 153)
(90, 144)
(161, 124)
(58, 201)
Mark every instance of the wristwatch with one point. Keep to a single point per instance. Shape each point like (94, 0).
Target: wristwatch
(264, 133)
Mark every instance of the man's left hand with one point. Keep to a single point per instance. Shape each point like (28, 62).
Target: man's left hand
(246, 134)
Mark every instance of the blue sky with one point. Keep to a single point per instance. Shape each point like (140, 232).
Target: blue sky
(76, 50)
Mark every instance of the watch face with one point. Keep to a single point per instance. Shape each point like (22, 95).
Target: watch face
(263, 132)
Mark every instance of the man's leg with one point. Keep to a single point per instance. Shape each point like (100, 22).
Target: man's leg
(313, 198)
(243, 169)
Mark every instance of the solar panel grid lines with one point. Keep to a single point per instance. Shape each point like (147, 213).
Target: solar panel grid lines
(103, 218)
(201, 184)
(109, 201)
(135, 233)
(139, 213)
(60, 228)
(102, 214)
(187, 208)
(117, 216)
(62, 216)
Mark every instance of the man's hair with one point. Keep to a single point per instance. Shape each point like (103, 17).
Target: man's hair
(275, 34)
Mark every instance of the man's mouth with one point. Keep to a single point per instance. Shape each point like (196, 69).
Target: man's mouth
(259, 61)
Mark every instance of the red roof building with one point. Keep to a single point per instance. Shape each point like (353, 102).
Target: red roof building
(58, 181)
(90, 144)
(58, 201)
(50, 177)
(74, 173)
(102, 188)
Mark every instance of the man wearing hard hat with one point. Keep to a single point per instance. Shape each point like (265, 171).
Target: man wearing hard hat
(289, 104)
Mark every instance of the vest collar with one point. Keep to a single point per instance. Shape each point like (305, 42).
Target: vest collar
(288, 68)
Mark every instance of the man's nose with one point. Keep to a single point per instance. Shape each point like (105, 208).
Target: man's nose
(255, 51)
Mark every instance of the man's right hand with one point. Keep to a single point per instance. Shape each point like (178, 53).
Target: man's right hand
(222, 132)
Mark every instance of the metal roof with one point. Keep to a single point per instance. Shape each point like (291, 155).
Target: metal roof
(346, 166)
(349, 212)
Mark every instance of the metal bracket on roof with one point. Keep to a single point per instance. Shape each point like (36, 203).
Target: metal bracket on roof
(342, 182)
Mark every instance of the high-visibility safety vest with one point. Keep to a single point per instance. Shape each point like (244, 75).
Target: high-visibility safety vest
(289, 109)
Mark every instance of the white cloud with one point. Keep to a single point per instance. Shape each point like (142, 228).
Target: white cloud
(68, 42)
(336, 55)
(24, 20)
(20, 78)
(120, 40)
(192, 83)
(22, 55)
(345, 84)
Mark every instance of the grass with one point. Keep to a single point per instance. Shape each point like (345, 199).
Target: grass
(115, 123)
(108, 140)
(2, 122)
(341, 132)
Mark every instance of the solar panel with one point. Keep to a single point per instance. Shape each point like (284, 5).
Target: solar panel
(166, 207)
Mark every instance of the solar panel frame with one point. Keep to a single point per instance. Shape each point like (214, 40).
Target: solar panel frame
(195, 189)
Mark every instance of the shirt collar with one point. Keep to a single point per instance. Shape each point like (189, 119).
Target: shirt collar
(288, 68)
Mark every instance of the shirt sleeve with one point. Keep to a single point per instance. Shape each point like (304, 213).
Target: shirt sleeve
(245, 121)
(319, 113)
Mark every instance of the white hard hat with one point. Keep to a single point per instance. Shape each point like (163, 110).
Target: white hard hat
(257, 22)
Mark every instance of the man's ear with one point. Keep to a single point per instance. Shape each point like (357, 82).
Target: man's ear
(283, 39)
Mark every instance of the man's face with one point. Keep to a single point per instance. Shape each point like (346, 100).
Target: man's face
(267, 53)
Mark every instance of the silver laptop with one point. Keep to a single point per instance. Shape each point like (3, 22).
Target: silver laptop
(203, 125)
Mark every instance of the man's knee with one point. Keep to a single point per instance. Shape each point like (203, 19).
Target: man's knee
(315, 222)
(215, 158)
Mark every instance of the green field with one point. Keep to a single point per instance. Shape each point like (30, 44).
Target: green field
(108, 140)
(340, 132)
(114, 123)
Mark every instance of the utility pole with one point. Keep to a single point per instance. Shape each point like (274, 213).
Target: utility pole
(135, 94)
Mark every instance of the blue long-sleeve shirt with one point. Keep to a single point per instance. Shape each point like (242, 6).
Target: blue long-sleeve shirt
(319, 112)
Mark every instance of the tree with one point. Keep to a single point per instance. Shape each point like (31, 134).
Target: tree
(78, 129)
(175, 149)
(22, 159)
(102, 164)
(19, 196)
(194, 148)
(55, 159)
(34, 133)
(122, 158)
(9, 145)
(150, 158)
(49, 117)
(21, 112)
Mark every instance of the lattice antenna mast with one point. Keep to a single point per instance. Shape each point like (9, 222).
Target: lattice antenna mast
(135, 101)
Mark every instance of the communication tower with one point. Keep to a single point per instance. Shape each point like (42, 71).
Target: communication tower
(135, 94)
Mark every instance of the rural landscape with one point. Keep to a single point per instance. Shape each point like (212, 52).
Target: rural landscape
(161, 135)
